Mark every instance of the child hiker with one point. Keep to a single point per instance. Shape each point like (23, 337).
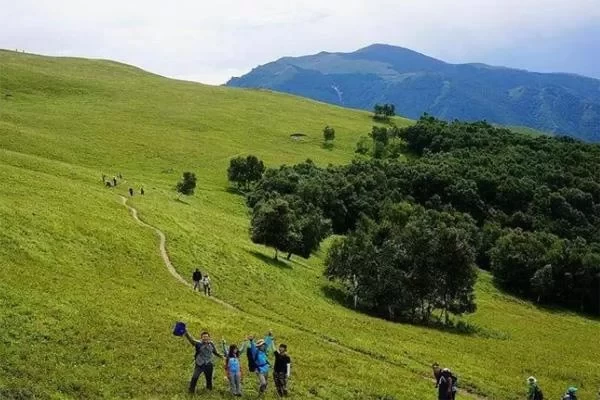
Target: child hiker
(233, 368)
(282, 370)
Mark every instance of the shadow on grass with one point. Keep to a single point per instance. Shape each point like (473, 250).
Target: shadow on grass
(270, 260)
(550, 308)
(458, 327)
(327, 145)
(235, 191)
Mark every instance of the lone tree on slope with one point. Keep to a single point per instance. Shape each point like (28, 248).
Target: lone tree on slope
(187, 184)
(328, 133)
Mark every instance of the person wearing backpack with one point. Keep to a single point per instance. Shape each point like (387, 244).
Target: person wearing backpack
(534, 392)
(571, 394)
(446, 385)
(259, 350)
(203, 359)
(233, 369)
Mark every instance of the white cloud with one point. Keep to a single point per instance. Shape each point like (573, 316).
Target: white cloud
(211, 40)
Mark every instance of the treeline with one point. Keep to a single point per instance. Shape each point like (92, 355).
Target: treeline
(526, 208)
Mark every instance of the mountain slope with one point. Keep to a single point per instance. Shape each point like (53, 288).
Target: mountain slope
(87, 306)
(415, 83)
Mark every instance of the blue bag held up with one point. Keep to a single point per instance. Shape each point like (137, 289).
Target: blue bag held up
(179, 329)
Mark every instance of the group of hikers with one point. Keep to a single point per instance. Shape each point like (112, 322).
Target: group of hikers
(258, 353)
(198, 280)
(447, 384)
(535, 393)
(114, 182)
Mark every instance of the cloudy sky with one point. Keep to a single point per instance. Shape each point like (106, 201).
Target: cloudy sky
(210, 41)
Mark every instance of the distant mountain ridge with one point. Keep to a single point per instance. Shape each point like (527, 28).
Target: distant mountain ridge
(415, 83)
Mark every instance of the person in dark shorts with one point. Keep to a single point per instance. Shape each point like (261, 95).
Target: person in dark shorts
(131, 192)
(282, 370)
(203, 359)
(197, 277)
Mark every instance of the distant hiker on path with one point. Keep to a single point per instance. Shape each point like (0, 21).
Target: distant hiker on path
(203, 359)
(196, 278)
(131, 192)
(142, 191)
(571, 394)
(437, 373)
(259, 355)
(282, 370)
(115, 181)
(445, 385)
(534, 392)
(206, 284)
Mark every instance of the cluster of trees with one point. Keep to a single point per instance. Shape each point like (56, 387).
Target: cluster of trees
(534, 203)
(244, 171)
(412, 263)
(383, 111)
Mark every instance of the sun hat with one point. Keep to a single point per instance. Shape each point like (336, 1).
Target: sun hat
(531, 379)
(572, 389)
(259, 342)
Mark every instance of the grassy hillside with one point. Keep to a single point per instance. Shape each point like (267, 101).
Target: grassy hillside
(86, 305)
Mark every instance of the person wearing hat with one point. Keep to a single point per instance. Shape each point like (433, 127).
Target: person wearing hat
(534, 392)
(571, 394)
(259, 355)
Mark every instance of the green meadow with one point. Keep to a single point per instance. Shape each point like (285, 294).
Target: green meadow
(87, 306)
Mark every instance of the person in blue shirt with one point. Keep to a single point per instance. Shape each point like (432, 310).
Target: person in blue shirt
(259, 350)
(234, 370)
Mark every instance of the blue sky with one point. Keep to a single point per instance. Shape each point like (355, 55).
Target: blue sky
(210, 41)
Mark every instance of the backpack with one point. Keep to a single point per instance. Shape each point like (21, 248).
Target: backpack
(251, 361)
(538, 395)
(454, 380)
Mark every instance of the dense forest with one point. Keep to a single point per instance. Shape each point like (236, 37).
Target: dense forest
(526, 208)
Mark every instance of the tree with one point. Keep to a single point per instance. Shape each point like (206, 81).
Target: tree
(187, 185)
(407, 266)
(308, 230)
(244, 171)
(328, 133)
(271, 224)
(383, 111)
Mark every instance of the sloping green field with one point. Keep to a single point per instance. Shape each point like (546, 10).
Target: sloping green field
(87, 305)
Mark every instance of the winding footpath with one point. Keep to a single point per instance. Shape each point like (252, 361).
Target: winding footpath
(331, 341)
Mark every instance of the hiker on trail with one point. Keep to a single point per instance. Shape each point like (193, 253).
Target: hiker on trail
(571, 394)
(534, 392)
(142, 190)
(258, 351)
(206, 284)
(115, 181)
(282, 370)
(437, 373)
(203, 359)
(445, 385)
(233, 368)
(197, 277)
(131, 192)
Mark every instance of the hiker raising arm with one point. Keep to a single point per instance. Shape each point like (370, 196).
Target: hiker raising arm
(190, 338)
